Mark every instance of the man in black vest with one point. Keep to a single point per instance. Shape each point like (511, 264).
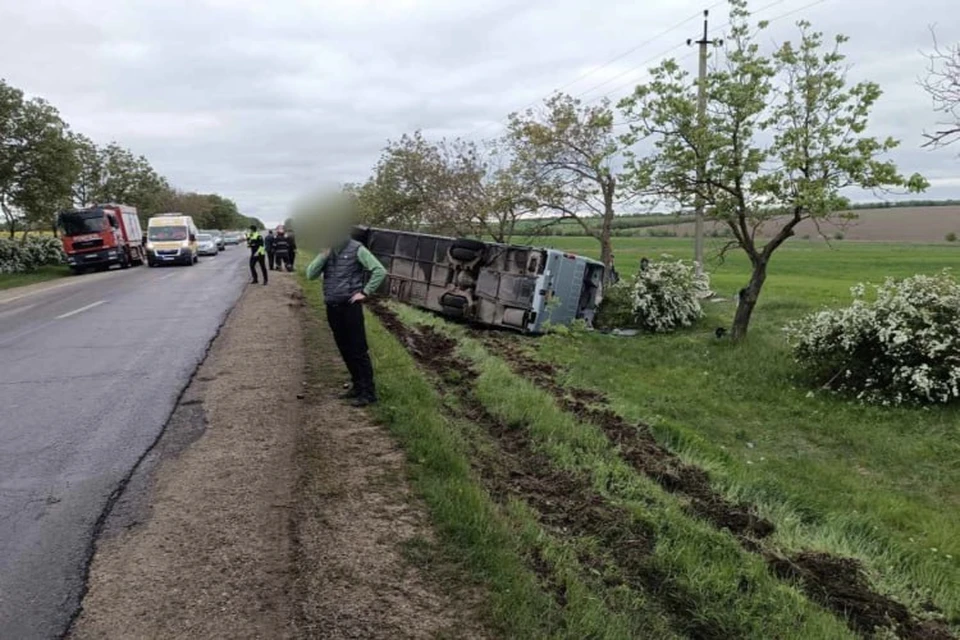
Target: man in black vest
(268, 244)
(343, 268)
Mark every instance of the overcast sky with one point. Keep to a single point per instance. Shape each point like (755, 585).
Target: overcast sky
(261, 101)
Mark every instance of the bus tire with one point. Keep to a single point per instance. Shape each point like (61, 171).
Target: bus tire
(454, 301)
(452, 312)
(466, 249)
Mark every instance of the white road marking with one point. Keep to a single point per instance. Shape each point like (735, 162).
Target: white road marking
(33, 293)
(10, 312)
(81, 309)
(169, 275)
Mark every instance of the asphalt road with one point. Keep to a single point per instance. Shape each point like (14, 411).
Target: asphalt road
(90, 370)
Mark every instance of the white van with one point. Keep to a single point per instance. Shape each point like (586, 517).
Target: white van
(171, 239)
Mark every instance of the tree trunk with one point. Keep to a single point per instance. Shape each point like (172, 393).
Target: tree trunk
(606, 227)
(748, 300)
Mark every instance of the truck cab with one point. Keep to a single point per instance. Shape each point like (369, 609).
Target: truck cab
(100, 236)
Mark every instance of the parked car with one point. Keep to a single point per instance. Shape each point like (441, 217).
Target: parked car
(232, 237)
(217, 236)
(207, 245)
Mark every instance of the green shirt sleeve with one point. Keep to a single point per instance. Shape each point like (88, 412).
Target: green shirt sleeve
(315, 268)
(377, 272)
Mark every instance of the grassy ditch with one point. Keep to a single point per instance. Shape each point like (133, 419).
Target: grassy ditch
(536, 583)
(41, 274)
(699, 577)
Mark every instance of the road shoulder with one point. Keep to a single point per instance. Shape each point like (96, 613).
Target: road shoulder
(269, 508)
(200, 544)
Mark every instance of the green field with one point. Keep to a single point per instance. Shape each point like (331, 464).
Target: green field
(881, 486)
(49, 272)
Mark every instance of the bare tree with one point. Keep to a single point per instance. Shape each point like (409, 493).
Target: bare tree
(942, 83)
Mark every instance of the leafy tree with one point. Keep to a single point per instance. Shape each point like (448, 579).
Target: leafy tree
(942, 83)
(37, 160)
(501, 195)
(129, 179)
(402, 186)
(90, 171)
(566, 151)
(782, 139)
(424, 185)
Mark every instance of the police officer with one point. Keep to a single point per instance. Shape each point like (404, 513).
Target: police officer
(257, 254)
(281, 247)
(343, 268)
(292, 241)
(271, 251)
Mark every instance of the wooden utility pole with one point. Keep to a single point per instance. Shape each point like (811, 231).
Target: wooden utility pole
(701, 123)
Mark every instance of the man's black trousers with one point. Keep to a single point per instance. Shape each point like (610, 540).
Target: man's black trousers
(271, 258)
(346, 322)
(254, 261)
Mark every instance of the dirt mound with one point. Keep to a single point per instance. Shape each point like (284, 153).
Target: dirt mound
(839, 584)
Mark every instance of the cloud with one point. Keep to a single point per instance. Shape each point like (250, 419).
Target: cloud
(261, 101)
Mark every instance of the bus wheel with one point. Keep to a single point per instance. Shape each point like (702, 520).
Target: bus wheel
(466, 249)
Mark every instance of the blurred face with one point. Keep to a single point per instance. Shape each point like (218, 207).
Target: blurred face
(325, 221)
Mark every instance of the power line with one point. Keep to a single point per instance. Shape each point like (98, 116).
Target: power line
(664, 53)
(691, 54)
(649, 60)
(603, 66)
(636, 48)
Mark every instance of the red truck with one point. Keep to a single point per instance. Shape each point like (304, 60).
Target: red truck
(100, 236)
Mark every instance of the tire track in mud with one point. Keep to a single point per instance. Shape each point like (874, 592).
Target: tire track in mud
(565, 503)
(836, 583)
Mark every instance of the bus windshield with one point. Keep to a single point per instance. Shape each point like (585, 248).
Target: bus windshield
(165, 234)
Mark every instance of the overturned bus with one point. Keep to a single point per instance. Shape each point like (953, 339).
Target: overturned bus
(511, 286)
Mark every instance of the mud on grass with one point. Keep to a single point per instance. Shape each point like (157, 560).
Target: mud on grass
(565, 504)
(638, 446)
(838, 584)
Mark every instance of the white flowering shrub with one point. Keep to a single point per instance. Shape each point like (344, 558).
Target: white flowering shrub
(21, 256)
(900, 347)
(662, 297)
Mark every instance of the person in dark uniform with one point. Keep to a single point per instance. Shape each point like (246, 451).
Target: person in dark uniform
(343, 268)
(257, 254)
(271, 251)
(292, 251)
(281, 247)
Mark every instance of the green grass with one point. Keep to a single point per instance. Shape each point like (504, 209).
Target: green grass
(42, 274)
(703, 567)
(879, 484)
(489, 541)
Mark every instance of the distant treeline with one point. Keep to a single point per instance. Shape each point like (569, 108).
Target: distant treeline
(46, 167)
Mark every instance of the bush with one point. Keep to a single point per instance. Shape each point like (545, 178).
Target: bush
(663, 297)
(951, 237)
(18, 256)
(903, 347)
(838, 235)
